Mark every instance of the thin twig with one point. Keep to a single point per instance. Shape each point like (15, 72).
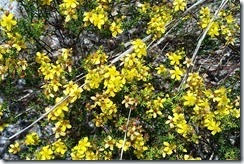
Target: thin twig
(201, 40)
(24, 112)
(176, 22)
(162, 39)
(122, 149)
(206, 30)
(128, 51)
(42, 116)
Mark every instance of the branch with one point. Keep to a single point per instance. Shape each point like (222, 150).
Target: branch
(128, 51)
(42, 116)
(201, 40)
(122, 149)
(177, 21)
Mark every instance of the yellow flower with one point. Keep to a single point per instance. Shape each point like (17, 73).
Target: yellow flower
(179, 118)
(75, 154)
(128, 101)
(32, 139)
(108, 155)
(188, 62)
(113, 81)
(174, 58)
(45, 153)
(93, 79)
(73, 90)
(60, 128)
(176, 73)
(23, 63)
(109, 142)
(49, 74)
(58, 69)
(127, 145)
(59, 147)
(168, 148)
(78, 152)
(70, 3)
(46, 2)
(222, 100)
(190, 99)
(63, 124)
(139, 47)
(189, 157)
(115, 29)
(98, 20)
(90, 155)
(204, 11)
(55, 84)
(183, 129)
(236, 113)
(62, 107)
(42, 58)
(214, 29)
(66, 53)
(132, 133)
(161, 69)
(7, 21)
(84, 144)
(214, 127)
(179, 5)
(88, 17)
(221, 91)
(204, 22)
(14, 148)
(229, 19)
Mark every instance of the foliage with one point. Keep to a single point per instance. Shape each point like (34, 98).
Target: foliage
(117, 79)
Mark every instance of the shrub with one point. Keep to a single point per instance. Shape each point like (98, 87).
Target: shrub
(103, 80)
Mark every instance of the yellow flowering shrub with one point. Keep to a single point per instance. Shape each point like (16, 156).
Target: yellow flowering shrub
(114, 80)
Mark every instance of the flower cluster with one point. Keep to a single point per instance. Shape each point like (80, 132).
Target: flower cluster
(7, 21)
(224, 25)
(147, 102)
(81, 151)
(32, 139)
(69, 9)
(134, 64)
(98, 17)
(159, 19)
(135, 141)
(175, 58)
(179, 5)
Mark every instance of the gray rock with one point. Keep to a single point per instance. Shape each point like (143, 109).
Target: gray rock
(21, 83)
(8, 157)
(1, 100)
(36, 128)
(4, 143)
(10, 6)
(11, 130)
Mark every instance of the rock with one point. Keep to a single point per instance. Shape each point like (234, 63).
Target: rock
(36, 128)
(8, 156)
(1, 100)
(4, 143)
(48, 130)
(10, 6)
(11, 130)
(51, 41)
(21, 83)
